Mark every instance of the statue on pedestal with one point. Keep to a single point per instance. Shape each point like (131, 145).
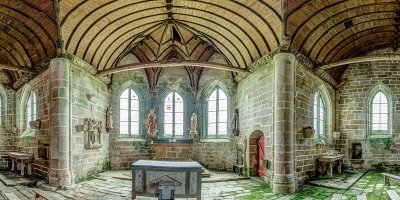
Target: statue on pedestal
(109, 120)
(193, 126)
(235, 123)
(151, 124)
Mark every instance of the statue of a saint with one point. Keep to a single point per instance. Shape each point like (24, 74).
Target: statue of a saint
(193, 126)
(235, 123)
(109, 120)
(151, 124)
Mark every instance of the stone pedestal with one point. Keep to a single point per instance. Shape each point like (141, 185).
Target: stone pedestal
(284, 124)
(59, 172)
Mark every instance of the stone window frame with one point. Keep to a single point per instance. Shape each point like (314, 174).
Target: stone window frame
(209, 89)
(380, 87)
(33, 107)
(173, 115)
(217, 114)
(3, 108)
(187, 108)
(142, 103)
(324, 138)
(21, 105)
(130, 90)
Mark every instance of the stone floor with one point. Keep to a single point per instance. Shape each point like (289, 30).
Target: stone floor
(107, 185)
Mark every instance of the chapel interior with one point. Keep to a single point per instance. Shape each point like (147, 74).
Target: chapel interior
(199, 99)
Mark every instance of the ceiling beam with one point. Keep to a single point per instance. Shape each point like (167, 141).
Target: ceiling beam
(360, 59)
(14, 68)
(136, 66)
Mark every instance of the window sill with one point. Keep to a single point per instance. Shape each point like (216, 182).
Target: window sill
(215, 140)
(385, 136)
(129, 139)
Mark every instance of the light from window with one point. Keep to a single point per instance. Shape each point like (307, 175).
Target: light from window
(129, 113)
(319, 114)
(217, 114)
(1, 109)
(31, 108)
(173, 115)
(380, 112)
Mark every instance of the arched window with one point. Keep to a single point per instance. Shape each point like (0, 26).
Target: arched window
(129, 113)
(173, 115)
(217, 114)
(380, 113)
(1, 110)
(319, 114)
(31, 108)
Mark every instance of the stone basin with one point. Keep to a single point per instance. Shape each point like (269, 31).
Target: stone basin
(327, 158)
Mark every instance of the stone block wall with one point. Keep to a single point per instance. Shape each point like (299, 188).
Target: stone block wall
(353, 117)
(307, 151)
(219, 155)
(123, 152)
(255, 103)
(89, 99)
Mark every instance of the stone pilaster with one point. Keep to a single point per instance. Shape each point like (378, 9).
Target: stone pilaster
(59, 173)
(284, 124)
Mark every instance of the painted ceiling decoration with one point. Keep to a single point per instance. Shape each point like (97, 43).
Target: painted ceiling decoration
(103, 32)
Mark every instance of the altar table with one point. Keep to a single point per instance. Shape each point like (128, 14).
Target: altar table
(155, 178)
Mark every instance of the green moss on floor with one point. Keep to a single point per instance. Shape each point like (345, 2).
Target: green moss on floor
(371, 184)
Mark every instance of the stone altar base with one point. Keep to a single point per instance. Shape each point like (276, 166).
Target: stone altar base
(175, 150)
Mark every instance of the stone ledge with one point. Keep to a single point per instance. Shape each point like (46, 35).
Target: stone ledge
(127, 139)
(215, 140)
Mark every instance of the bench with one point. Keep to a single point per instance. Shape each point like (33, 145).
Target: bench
(392, 195)
(44, 195)
(390, 176)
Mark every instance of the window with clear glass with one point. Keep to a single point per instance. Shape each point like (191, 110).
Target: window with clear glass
(380, 113)
(1, 110)
(319, 115)
(31, 108)
(173, 115)
(129, 113)
(217, 114)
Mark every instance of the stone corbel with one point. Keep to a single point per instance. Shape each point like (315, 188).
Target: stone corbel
(35, 124)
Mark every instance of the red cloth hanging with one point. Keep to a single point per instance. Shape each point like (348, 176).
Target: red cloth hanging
(260, 156)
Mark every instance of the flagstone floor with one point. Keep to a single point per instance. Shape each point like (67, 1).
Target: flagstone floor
(105, 186)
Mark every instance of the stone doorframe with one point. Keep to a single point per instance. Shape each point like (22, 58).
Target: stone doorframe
(252, 153)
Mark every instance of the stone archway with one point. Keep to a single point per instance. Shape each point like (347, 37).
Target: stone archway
(253, 152)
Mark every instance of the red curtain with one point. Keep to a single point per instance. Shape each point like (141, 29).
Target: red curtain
(260, 156)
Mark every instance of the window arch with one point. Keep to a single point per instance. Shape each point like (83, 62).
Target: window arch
(173, 115)
(217, 114)
(31, 108)
(380, 106)
(129, 113)
(380, 113)
(319, 114)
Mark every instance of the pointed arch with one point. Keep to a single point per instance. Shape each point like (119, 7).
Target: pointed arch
(380, 106)
(130, 100)
(322, 114)
(173, 115)
(217, 114)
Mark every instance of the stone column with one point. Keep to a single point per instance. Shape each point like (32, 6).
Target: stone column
(284, 121)
(59, 173)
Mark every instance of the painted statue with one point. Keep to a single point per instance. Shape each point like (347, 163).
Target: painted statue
(193, 126)
(151, 124)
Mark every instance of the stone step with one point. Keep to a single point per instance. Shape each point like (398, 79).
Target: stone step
(361, 197)
(11, 196)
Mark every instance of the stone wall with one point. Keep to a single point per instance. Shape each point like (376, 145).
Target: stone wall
(307, 151)
(353, 117)
(88, 161)
(255, 104)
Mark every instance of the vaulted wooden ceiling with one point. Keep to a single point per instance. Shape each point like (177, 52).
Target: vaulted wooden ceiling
(332, 30)
(103, 32)
(27, 34)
